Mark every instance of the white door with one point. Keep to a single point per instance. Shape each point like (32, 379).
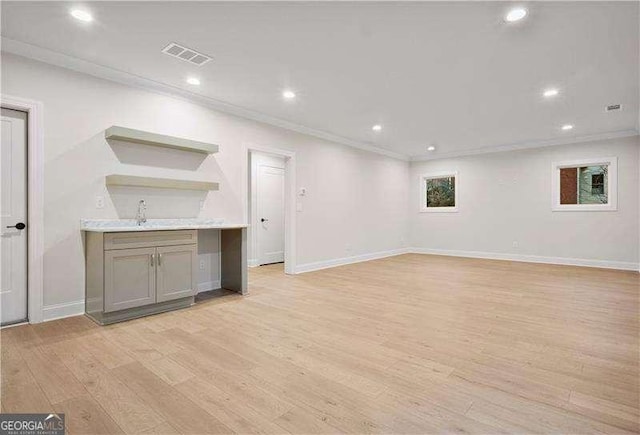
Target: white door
(270, 209)
(13, 199)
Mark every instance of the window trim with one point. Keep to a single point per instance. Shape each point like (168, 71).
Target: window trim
(423, 192)
(612, 184)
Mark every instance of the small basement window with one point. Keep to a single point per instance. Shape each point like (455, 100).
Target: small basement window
(439, 192)
(585, 185)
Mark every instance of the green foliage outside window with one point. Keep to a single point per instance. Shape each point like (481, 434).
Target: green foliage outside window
(441, 192)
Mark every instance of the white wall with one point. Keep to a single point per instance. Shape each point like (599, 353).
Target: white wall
(355, 197)
(506, 197)
(358, 203)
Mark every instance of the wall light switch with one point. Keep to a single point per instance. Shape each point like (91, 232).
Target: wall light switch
(99, 201)
(299, 206)
(202, 205)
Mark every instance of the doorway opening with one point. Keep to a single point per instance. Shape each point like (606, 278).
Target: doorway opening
(13, 209)
(34, 195)
(271, 208)
(267, 208)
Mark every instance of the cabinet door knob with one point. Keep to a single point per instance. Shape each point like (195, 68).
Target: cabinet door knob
(18, 226)
(159, 259)
(152, 255)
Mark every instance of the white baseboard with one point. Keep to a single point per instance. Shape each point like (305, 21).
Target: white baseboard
(208, 285)
(318, 265)
(60, 311)
(253, 262)
(76, 308)
(605, 264)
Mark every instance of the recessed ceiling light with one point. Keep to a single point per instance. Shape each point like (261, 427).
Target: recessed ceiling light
(376, 127)
(81, 15)
(515, 14)
(289, 95)
(550, 93)
(431, 148)
(567, 127)
(193, 81)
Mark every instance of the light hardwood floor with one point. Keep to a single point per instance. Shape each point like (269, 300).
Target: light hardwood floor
(409, 344)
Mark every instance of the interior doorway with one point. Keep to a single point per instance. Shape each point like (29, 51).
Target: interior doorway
(13, 233)
(271, 207)
(267, 188)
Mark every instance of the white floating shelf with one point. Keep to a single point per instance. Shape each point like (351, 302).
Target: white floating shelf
(159, 140)
(160, 183)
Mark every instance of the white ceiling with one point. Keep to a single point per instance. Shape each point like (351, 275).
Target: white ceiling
(450, 74)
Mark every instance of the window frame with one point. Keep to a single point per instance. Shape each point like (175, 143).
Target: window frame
(423, 192)
(612, 184)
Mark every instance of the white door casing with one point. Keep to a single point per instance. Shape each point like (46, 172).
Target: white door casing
(270, 191)
(13, 197)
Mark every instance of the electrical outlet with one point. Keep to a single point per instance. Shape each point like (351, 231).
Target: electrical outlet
(99, 201)
(347, 248)
(515, 244)
(201, 264)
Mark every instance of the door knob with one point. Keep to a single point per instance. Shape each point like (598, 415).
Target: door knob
(263, 220)
(18, 226)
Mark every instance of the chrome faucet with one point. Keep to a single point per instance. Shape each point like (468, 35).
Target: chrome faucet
(142, 208)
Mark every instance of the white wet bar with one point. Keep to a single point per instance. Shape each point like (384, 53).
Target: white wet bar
(134, 270)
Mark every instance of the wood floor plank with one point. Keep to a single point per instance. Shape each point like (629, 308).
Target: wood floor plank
(169, 370)
(182, 413)
(19, 390)
(114, 396)
(55, 379)
(408, 344)
(229, 409)
(83, 415)
(108, 352)
(296, 420)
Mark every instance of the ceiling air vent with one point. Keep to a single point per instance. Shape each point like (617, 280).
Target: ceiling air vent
(613, 108)
(186, 54)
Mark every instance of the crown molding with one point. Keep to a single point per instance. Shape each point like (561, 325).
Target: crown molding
(45, 55)
(528, 145)
(104, 72)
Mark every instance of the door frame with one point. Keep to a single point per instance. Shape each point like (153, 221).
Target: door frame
(35, 200)
(290, 197)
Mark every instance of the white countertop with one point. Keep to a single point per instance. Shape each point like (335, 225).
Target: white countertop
(118, 225)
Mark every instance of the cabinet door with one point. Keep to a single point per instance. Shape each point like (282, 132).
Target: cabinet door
(176, 272)
(129, 278)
